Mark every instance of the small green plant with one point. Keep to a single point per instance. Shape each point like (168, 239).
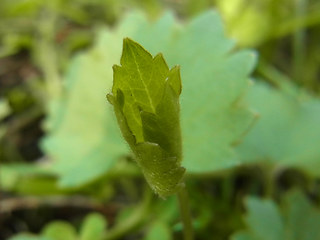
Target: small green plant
(207, 136)
(145, 97)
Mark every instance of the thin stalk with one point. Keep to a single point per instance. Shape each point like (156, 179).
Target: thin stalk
(269, 182)
(276, 77)
(299, 39)
(185, 214)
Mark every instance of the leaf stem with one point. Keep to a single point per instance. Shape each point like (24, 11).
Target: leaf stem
(185, 214)
(269, 182)
(299, 39)
(276, 78)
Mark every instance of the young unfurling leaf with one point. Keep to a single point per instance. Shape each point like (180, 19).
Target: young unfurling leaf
(145, 97)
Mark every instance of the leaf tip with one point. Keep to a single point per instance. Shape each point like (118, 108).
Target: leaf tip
(175, 79)
(110, 98)
(115, 67)
(127, 42)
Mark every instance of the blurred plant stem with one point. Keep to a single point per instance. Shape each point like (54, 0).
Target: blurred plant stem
(299, 44)
(47, 53)
(299, 22)
(131, 222)
(276, 77)
(185, 214)
(269, 177)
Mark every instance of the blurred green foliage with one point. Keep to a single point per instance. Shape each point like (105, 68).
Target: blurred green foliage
(58, 136)
(297, 219)
(93, 227)
(286, 133)
(4, 109)
(67, 122)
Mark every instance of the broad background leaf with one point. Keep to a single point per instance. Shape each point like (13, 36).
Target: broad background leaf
(83, 139)
(287, 131)
(212, 118)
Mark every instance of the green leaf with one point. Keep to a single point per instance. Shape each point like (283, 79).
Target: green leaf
(296, 220)
(145, 96)
(158, 231)
(83, 139)
(93, 227)
(286, 121)
(59, 230)
(264, 219)
(302, 219)
(27, 236)
(141, 79)
(213, 113)
(4, 109)
(163, 172)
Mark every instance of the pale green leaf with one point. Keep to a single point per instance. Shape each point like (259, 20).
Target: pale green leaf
(302, 219)
(83, 140)
(296, 220)
(264, 219)
(287, 131)
(93, 227)
(59, 230)
(214, 80)
(158, 231)
(212, 117)
(4, 109)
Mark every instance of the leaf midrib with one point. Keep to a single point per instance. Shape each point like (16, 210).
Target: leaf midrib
(144, 84)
